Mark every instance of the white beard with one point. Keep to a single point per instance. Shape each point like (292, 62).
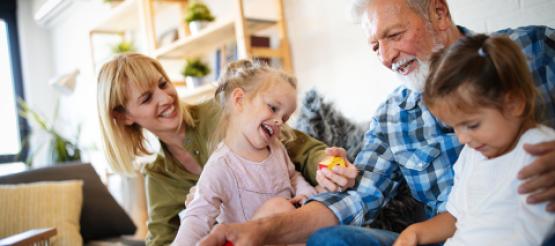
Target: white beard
(416, 80)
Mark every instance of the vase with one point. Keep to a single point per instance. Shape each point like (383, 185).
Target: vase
(196, 26)
(194, 82)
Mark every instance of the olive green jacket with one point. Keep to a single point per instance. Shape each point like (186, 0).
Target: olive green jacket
(168, 183)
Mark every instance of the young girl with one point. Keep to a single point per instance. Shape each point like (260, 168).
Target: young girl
(249, 165)
(482, 88)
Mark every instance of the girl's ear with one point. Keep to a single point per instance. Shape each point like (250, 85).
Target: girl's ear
(237, 98)
(122, 117)
(514, 104)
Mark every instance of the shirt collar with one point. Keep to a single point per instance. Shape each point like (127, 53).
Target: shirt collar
(409, 98)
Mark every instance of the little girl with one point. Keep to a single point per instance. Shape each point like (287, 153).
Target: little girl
(249, 165)
(482, 88)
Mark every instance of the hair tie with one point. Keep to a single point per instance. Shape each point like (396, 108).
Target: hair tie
(481, 52)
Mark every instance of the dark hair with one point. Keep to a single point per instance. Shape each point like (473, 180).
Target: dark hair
(487, 69)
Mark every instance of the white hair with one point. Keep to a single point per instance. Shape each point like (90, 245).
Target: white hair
(357, 8)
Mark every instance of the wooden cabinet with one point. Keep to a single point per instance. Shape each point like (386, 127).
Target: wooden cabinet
(141, 18)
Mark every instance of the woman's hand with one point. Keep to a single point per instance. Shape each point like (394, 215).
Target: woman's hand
(338, 179)
(540, 175)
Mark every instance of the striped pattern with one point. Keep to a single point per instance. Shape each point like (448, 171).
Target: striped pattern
(43, 204)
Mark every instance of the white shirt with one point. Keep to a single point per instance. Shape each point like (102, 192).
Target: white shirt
(485, 201)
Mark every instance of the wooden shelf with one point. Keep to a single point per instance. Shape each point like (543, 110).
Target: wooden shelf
(213, 36)
(121, 18)
(197, 95)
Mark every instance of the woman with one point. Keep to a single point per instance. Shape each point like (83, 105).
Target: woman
(134, 93)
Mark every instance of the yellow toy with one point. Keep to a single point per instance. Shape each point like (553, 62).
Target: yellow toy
(331, 162)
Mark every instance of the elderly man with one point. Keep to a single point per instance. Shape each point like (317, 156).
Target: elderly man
(405, 141)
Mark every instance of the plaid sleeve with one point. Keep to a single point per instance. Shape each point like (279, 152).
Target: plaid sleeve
(376, 184)
(538, 45)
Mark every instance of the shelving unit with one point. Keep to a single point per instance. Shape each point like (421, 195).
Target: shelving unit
(140, 16)
(214, 35)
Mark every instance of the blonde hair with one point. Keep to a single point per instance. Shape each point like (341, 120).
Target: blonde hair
(249, 76)
(122, 143)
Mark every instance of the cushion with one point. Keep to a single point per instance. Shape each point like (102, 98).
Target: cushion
(40, 205)
(101, 216)
(322, 121)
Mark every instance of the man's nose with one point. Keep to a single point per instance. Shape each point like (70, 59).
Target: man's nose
(387, 54)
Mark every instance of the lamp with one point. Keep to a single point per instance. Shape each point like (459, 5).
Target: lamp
(65, 83)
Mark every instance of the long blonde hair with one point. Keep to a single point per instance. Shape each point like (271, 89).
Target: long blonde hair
(247, 75)
(122, 143)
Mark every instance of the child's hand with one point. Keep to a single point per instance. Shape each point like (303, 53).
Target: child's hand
(298, 200)
(407, 237)
(340, 178)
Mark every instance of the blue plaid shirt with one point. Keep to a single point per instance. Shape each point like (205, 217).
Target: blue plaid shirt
(405, 141)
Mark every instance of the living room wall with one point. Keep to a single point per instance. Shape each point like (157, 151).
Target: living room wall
(329, 53)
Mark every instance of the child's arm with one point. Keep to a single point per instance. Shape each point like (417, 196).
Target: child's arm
(301, 186)
(434, 230)
(200, 216)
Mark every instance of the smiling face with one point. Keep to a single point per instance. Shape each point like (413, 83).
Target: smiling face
(154, 107)
(402, 39)
(258, 121)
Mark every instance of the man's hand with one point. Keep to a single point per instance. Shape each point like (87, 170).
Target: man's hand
(340, 178)
(246, 234)
(540, 174)
(408, 237)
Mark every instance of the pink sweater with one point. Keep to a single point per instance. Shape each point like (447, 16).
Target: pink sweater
(231, 189)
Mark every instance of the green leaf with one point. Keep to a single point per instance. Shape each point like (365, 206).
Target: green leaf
(198, 12)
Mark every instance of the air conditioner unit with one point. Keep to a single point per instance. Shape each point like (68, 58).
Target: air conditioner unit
(50, 10)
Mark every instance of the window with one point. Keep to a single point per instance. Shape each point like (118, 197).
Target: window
(13, 128)
(10, 143)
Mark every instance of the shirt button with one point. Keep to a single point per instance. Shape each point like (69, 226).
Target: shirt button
(196, 152)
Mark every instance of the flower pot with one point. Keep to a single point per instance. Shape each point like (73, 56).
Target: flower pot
(196, 26)
(194, 82)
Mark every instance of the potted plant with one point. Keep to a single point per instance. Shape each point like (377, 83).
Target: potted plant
(123, 47)
(60, 149)
(198, 15)
(195, 71)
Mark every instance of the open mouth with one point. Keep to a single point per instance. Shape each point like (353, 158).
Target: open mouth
(168, 112)
(268, 130)
(403, 68)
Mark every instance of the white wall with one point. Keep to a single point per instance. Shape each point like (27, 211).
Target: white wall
(329, 53)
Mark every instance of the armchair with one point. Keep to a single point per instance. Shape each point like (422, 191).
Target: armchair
(101, 217)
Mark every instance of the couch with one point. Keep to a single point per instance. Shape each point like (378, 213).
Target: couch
(102, 221)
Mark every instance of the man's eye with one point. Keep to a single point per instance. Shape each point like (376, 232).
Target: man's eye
(375, 47)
